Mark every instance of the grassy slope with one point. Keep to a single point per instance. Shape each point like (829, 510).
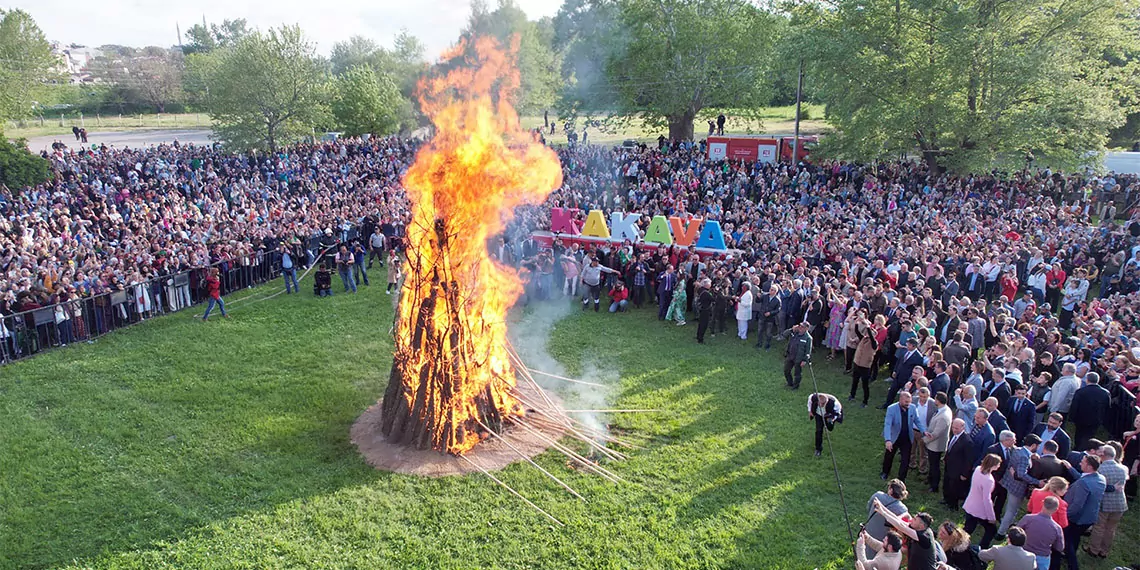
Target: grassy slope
(186, 445)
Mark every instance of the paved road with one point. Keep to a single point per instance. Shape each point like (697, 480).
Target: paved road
(132, 139)
(1128, 162)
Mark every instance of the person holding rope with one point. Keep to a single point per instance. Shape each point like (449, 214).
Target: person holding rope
(826, 410)
(214, 293)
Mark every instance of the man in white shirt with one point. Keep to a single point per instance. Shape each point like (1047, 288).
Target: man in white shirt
(920, 412)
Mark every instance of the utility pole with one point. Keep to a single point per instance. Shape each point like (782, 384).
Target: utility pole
(799, 100)
(178, 30)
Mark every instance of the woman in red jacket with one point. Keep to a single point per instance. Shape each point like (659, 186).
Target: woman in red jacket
(214, 293)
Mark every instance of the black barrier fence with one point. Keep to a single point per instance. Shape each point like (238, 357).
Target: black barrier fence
(31, 332)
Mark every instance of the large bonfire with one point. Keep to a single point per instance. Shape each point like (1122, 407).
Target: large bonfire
(452, 380)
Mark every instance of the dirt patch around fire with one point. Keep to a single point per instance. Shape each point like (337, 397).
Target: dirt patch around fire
(492, 454)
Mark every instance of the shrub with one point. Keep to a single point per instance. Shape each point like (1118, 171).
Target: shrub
(19, 167)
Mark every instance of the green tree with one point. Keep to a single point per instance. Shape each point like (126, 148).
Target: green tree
(365, 102)
(664, 61)
(970, 84)
(404, 63)
(26, 63)
(538, 63)
(267, 90)
(19, 168)
(204, 39)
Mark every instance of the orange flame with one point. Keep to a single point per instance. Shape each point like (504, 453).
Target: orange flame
(453, 367)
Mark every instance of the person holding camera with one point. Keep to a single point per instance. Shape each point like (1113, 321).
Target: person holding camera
(826, 410)
(888, 552)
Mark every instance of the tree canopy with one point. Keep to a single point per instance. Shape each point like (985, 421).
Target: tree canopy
(971, 84)
(367, 102)
(664, 61)
(267, 90)
(26, 62)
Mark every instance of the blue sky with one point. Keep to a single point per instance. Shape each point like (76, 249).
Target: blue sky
(150, 22)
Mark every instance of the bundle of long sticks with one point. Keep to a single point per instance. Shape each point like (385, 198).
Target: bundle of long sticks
(544, 417)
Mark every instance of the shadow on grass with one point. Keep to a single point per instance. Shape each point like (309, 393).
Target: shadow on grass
(175, 424)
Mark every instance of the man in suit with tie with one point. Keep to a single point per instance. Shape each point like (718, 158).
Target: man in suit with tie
(1021, 414)
(936, 438)
(897, 436)
(997, 387)
(1084, 497)
(959, 465)
(904, 368)
(1051, 431)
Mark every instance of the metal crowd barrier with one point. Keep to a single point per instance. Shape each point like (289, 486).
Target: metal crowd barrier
(31, 332)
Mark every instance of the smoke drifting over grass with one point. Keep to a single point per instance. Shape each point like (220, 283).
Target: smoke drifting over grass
(530, 335)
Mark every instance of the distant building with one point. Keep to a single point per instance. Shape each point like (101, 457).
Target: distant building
(74, 60)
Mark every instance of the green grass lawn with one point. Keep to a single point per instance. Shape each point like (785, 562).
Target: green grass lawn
(774, 120)
(57, 125)
(178, 444)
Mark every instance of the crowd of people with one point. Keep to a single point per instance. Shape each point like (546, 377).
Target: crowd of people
(1002, 310)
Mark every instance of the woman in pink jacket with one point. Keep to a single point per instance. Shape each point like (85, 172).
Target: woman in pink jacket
(979, 505)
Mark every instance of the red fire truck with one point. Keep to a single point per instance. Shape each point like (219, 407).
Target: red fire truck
(765, 148)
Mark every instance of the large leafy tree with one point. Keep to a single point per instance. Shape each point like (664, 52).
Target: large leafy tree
(365, 102)
(664, 61)
(267, 90)
(971, 83)
(26, 63)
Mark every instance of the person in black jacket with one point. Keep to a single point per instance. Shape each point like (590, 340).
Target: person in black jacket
(704, 303)
(1089, 408)
(959, 465)
(826, 410)
(768, 306)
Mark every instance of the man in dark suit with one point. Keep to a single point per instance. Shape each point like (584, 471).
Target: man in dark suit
(904, 368)
(997, 419)
(941, 381)
(1047, 464)
(1021, 414)
(982, 433)
(1051, 431)
(769, 308)
(997, 387)
(959, 465)
(1089, 409)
